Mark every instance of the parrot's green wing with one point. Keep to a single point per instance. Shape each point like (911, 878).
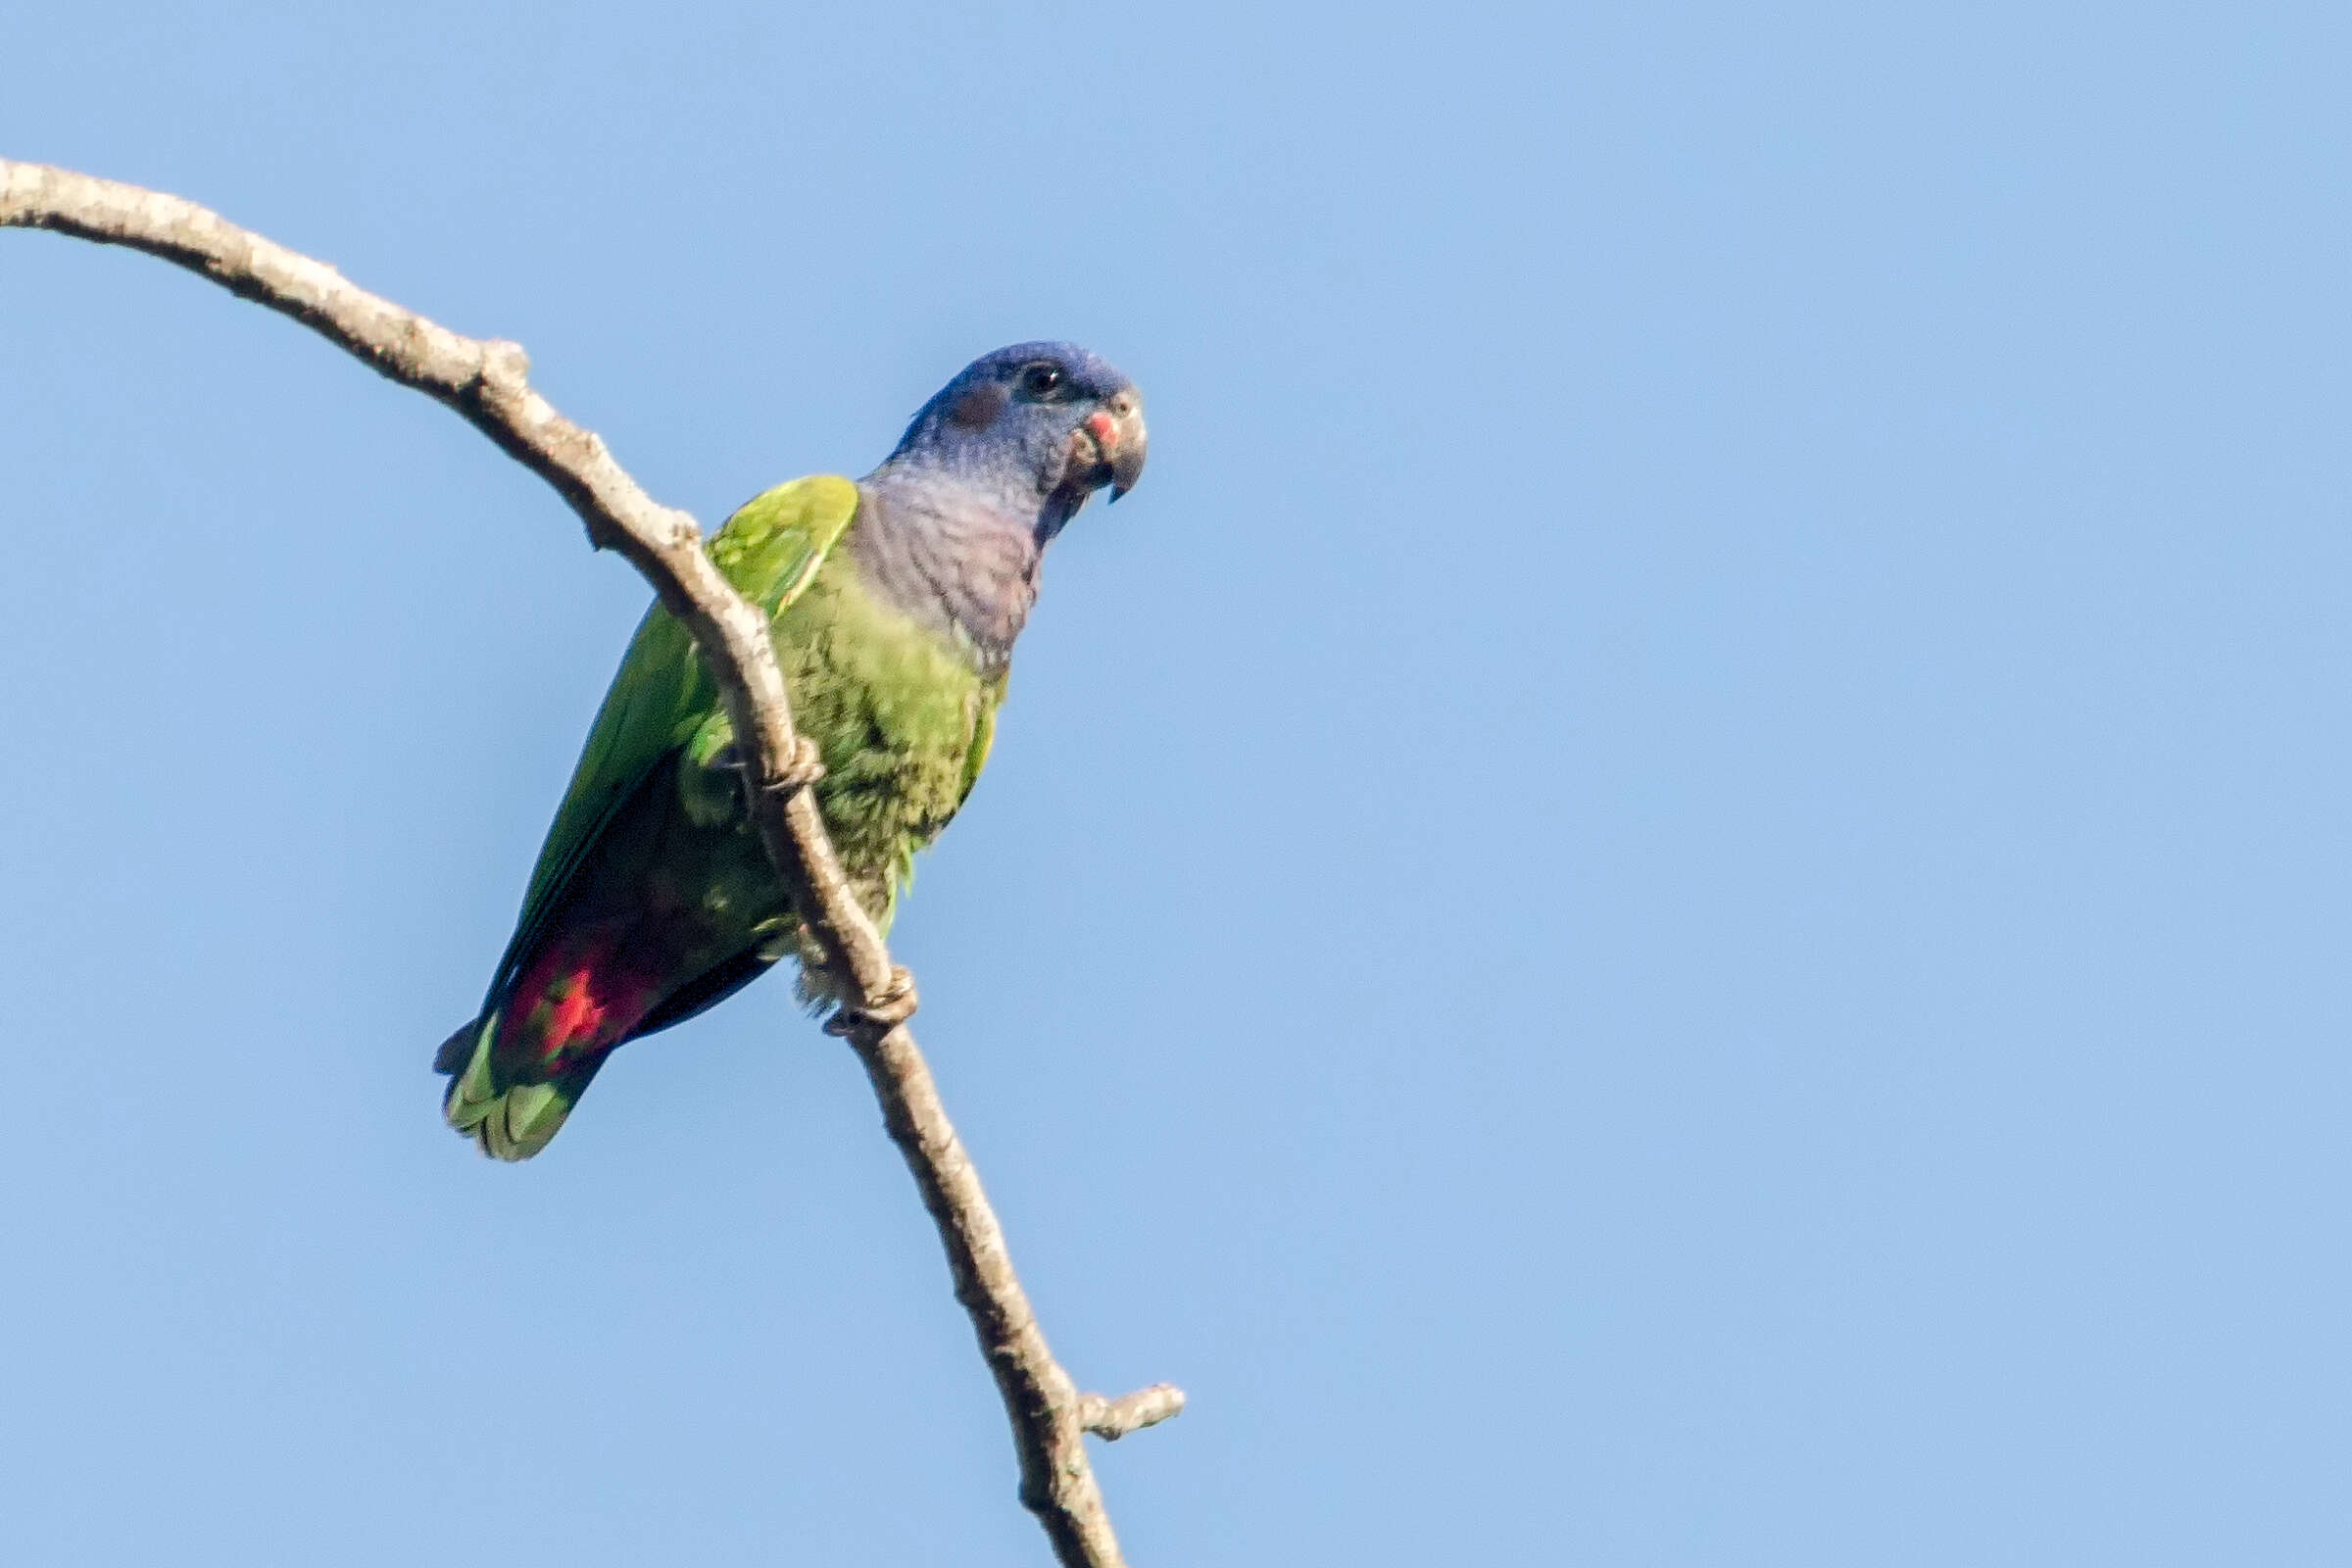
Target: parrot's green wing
(771, 550)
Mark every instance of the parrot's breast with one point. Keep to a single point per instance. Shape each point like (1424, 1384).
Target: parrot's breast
(950, 563)
(899, 714)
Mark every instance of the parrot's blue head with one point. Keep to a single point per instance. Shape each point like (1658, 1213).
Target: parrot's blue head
(1036, 427)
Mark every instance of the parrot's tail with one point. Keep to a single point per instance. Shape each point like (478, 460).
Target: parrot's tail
(507, 1121)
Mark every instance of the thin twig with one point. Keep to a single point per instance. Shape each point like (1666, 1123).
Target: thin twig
(1112, 1419)
(486, 381)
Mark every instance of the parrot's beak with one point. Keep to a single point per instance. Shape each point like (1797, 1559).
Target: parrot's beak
(1117, 431)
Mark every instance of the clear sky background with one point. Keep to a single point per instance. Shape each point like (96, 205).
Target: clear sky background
(1677, 891)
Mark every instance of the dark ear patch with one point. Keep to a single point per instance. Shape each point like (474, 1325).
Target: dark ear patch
(978, 409)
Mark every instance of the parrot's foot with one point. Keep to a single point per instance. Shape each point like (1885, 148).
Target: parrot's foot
(890, 1009)
(804, 768)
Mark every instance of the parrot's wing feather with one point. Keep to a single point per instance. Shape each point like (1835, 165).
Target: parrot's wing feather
(771, 550)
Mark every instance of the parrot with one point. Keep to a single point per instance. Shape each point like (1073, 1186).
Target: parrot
(892, 604)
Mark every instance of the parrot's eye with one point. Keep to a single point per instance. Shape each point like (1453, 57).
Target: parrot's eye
(1041, 381)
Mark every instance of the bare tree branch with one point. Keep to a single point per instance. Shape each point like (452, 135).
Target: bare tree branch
(486, 381)
(1112, 1419)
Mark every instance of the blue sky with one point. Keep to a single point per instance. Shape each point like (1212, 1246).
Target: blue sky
(1674, 893)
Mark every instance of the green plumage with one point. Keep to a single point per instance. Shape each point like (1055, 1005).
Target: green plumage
(651, 896)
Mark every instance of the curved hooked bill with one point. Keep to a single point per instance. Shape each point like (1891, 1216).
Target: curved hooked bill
(1114, 441)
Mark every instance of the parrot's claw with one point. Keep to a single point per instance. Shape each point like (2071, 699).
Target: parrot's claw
(802, 769)
(890, 1009)
(805, 768)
